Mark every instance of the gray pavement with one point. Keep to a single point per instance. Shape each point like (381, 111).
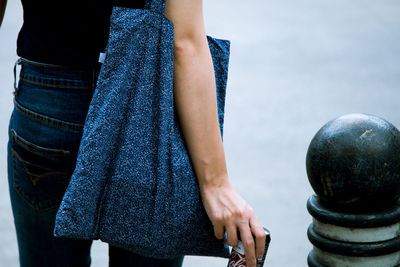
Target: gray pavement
(295, 64)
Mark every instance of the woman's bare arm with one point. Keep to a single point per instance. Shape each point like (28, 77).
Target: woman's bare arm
(196, 103)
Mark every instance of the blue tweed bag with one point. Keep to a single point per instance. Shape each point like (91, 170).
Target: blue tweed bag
(133, 185)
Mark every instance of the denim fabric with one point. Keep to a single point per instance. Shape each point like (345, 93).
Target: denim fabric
(51, 103)
(134, 186)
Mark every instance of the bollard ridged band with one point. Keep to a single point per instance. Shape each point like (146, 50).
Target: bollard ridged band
(353, 249)
(364, 220)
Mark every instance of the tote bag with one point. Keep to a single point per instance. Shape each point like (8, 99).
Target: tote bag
(133, 185)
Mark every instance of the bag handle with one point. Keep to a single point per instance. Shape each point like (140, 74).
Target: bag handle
(155, 5)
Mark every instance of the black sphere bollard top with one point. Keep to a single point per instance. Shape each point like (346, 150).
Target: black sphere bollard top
(353, 163)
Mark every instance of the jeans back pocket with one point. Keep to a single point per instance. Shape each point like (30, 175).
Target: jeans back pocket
(40, 174)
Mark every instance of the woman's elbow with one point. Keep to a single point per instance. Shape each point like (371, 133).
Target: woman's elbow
(189, 47)
(185, 47)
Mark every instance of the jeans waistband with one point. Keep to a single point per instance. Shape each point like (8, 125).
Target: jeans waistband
(55, 76)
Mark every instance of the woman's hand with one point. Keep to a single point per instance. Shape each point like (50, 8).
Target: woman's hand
(230, 213)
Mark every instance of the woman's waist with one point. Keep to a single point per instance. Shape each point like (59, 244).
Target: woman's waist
(54, 91)
(57, 76)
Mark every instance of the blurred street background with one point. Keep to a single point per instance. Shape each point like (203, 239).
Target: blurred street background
(295, 65)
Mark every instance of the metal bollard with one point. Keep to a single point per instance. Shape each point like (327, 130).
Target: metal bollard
(353, 165)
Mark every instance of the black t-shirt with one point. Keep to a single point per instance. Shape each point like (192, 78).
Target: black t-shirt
(66, 32)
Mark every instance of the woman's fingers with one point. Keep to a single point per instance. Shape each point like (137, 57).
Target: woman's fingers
(219, 229)
(259, 235)
(231, 232)
(248, 243)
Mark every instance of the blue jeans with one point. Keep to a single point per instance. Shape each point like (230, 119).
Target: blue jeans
(45, 129)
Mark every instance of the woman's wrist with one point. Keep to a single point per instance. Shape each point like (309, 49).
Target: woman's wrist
(212, 181)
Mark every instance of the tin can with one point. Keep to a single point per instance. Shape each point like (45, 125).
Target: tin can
(238, 258)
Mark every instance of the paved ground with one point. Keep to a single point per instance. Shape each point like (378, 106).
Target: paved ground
(295, 65)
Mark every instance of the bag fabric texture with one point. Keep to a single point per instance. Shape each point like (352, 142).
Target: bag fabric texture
(133, 185)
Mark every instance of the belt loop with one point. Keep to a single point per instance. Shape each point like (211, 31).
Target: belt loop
(18, 62)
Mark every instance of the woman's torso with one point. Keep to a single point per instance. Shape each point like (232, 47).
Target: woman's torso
(71, 32)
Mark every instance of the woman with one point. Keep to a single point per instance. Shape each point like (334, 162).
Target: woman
(59, 44)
